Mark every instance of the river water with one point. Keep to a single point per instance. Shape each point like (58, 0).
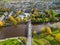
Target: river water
(13, 31)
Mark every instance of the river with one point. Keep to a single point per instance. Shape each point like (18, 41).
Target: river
(13, 31)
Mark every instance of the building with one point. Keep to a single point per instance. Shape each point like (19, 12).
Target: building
(30, 0)
(26, 0)
(15, 1)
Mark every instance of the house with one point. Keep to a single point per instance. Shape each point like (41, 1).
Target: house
(24, 15)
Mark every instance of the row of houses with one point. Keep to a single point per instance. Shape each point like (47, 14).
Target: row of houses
(15, 1)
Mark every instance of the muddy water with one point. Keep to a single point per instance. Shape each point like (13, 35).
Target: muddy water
(12, 31)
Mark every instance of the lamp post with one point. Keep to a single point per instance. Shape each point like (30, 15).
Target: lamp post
(29, 40)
